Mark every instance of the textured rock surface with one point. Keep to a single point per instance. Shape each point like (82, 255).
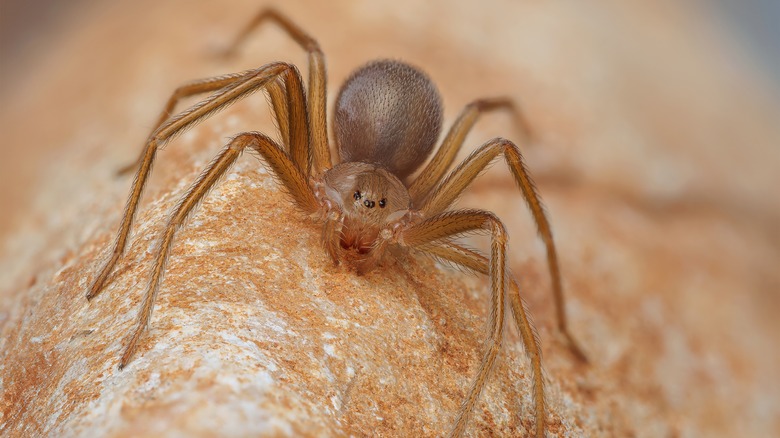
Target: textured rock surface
(657, 163)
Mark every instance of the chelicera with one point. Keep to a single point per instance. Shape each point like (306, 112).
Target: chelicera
(387, 120)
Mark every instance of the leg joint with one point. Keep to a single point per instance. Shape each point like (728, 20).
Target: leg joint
(497, 228)
(491, 103)
(504, 144)
(244, 139)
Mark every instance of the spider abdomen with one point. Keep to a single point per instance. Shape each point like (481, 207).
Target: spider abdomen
(388, 113)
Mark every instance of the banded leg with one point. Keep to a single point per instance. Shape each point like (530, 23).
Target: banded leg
(460, 178)
(317, 94)
(284, 170)
(479, 263)
(251, 82)
(451, 224)
(453, 141)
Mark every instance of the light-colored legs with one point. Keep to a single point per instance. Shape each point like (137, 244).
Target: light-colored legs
(241, 86)
(193, 88)
(317, 95)
(284, 86)
(453, 185)
(431, 235)
(479, 263)
(453, 141)
(284, 170)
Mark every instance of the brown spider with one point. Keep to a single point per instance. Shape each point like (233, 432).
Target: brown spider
(388, 118)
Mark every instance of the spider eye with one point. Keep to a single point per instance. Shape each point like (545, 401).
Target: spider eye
(382, 202)
(368, 203)
(357, 195)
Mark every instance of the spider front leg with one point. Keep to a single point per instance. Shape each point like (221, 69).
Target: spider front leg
(317, 94)
(208, 85)
(453, 185)
(436, 169)
(331, 234)
(246, 85)
(284, 170)
(477, 262)
(443, 226)
(316, 101)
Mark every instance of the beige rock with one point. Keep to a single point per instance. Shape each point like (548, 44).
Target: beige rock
(669, 259)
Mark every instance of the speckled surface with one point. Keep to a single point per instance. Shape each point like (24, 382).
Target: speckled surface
(255, 332)
(661, 196)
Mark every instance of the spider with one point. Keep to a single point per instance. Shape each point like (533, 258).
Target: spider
(388, 117)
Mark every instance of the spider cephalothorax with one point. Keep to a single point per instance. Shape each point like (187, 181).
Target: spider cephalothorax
(362, 199)
(387, 119)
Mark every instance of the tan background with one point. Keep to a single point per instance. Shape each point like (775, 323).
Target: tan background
(657, 157)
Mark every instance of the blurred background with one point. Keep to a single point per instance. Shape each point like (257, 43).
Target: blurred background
(657, 151)
(752, 24)
(743, 35)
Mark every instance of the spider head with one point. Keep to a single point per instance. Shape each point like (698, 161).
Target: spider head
(367, 193)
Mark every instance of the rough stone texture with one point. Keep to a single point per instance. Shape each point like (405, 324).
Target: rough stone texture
(657, 159)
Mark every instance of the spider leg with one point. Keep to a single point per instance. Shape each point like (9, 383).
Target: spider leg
(284, 170)
(477, 262)
(453, 141)
(249, 83)
(275, 90)
(331, 236)
(317, 97)
(453, 185)
(451, 224)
